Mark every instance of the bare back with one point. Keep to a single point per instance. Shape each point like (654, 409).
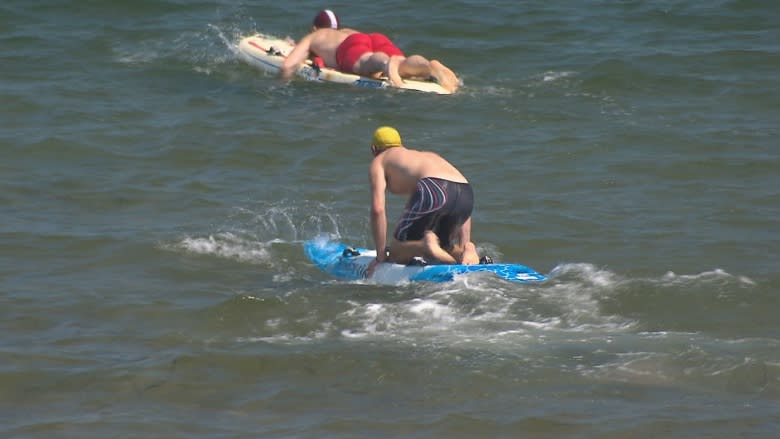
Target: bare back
(321, 42)
(325, 42)
(403, 167)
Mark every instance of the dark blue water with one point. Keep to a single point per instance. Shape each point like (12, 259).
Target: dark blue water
(156, 194)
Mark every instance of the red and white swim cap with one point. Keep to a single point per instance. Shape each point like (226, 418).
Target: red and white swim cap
(326, 18)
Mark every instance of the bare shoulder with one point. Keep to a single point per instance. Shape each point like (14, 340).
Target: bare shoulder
(306, 39)
(376, 170)
(424, 153)
(328, 33)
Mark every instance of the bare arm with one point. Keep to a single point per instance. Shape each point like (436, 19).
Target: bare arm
(296, 57)
(465, 232)
(376, 176)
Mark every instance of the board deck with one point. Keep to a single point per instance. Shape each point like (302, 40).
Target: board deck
(345, 262)
(267, 53)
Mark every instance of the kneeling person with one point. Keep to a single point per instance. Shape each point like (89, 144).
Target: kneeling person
(436, 223)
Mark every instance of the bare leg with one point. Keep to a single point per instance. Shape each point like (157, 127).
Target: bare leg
(444, 76)
(417, 66)
(433, 249)
(465, 251)
(392, 71)
(402, 252)
(371, 64)
(465, 254)
(470, 255)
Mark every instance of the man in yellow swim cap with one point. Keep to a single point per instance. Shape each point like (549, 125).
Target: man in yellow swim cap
(436, 223)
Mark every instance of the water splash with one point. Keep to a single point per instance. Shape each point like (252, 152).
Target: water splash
(229, 246)
(258, 234)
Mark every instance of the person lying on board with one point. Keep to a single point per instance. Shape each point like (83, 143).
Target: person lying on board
(371, 55)
(436, 223)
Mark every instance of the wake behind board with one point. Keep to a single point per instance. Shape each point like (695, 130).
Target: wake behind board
(339, 260)
(267, 53)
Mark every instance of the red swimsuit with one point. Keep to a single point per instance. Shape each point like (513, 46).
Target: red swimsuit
(358, 44)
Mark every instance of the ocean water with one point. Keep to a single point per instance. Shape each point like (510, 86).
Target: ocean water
(156, 193)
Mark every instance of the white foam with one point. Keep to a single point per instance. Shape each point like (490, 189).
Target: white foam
(554, 76)
(228, 245)
(716, 274)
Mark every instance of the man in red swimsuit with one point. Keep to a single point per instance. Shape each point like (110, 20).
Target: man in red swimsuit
(370, 55)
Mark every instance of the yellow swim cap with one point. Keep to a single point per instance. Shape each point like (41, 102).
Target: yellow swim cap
(386, 137)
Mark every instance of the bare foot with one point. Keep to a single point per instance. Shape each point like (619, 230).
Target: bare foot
(444, 76)
(470, 255)
(434, 249)
(392, 71)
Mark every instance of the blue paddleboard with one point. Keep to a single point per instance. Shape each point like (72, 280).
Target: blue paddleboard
(350, 263)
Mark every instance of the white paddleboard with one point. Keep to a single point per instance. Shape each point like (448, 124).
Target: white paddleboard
(267, 53)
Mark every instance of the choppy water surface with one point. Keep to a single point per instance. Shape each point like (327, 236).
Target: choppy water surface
(156, 193)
